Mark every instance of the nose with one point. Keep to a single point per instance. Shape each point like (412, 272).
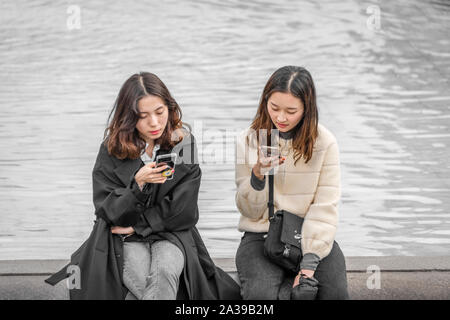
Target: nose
(152, 121)
(281, 117)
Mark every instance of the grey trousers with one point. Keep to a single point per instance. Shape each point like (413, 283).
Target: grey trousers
(152, 272)
(261, 279)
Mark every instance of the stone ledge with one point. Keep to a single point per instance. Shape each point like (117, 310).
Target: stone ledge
(411, 278)
(354, 264)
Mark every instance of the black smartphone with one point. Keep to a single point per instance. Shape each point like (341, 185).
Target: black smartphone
(169, 160)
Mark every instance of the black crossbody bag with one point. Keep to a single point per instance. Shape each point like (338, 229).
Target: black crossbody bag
(282, 245)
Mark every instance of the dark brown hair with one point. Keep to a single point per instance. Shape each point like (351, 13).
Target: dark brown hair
(123, 139)
(298, 82)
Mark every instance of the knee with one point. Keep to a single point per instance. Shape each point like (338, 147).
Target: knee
(336, 293)
(167, 260)
(254, 295)
(333, 288)
(170, 270)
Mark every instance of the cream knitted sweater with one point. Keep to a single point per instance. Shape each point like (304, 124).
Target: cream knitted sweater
(311, 190)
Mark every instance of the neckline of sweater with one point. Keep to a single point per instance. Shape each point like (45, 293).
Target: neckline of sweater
(287, 135)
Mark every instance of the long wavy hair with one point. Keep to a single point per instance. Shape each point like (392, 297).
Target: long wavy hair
(121, 136)
(298, 82)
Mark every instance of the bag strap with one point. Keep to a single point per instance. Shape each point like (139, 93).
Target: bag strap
(270, 203)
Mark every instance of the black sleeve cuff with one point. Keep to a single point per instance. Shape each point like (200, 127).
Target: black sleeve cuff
(153, 217)
(141, 227)
(140, 195)
(310, 261)
(256, 183)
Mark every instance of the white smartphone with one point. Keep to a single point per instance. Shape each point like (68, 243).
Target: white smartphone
(269, 152)
(269, 156)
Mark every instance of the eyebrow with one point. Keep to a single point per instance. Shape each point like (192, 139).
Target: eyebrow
(155, 109)
(292, 108)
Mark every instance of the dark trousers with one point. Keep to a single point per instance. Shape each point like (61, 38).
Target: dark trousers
(263, 280)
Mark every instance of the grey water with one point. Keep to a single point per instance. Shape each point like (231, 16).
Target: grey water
(383, 90)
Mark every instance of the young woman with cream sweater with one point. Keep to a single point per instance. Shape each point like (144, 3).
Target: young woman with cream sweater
(306, 183)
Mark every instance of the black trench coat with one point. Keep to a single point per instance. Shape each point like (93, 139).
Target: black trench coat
(168, 211)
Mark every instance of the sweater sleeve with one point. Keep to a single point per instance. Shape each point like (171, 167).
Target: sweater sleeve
(251, 202)
(319, 226)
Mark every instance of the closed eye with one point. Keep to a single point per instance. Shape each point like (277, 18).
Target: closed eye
(276, 110)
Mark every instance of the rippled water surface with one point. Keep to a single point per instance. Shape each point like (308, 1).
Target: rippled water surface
(383, 93)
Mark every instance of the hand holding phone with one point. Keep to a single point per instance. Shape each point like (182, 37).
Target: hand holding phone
(268, 158)
(168, 160)
(150, 173)
(268, 155)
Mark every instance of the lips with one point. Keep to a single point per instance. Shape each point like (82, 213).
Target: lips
(154, 132)
(282, 125)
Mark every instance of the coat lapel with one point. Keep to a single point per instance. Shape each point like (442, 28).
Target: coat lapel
(128, 169)
(180, 171)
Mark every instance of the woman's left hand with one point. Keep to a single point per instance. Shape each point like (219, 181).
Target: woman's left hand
(122, 230)
(308, 273)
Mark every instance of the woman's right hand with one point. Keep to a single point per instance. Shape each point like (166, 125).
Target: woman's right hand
(266, 162)
(150, 174)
